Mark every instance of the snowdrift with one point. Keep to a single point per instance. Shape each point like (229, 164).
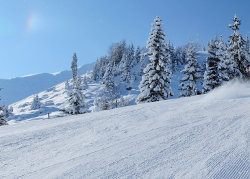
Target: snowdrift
(206, 136)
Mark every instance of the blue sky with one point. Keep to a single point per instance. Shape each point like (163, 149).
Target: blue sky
(39, 36)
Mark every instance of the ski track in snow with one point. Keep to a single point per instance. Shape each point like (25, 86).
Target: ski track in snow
(181, 138)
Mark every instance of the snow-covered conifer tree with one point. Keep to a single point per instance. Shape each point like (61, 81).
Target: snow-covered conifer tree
(75, 96)
(154, 84)
(192, 73)
(76, 99)
(116, 52)
(211, 75)
(127, 63)
(36, 104)
(226, 64)
(4, 114)
(74, 67)
(3, 121)
(6, 111)
(126, 68)
(138, 54)
(173, 61)
(99, 68)
(247, 45)
(180, 54)
(131, 55)
(237, 50)
(143, 63)
(109, 95)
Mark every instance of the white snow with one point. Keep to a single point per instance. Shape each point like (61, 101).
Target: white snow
(16, 89)
(206, 136)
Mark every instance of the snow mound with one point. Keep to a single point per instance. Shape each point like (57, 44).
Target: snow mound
(230, 90)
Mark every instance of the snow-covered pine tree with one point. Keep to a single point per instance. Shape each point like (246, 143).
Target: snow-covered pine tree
(247, 45)
(138, 54)
(99, 68)
(76, 98)
(226, 64)
(211, 77)
(131, 55)
(36, 104)
(192, 73)
(3, 120)
(116, 52)
(109, 95)
(127, 63)
(180, 56)
(247, 50)
(6, 111)
(237, 50)
(154, 84)
(125, 68)
(74, 67)
(142, 62)
(173, 60)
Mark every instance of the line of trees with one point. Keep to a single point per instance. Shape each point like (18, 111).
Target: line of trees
(153, 67)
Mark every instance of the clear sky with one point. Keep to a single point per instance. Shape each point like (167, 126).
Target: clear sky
(39, 36)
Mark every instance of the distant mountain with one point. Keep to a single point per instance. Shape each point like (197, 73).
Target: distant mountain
(19, 88)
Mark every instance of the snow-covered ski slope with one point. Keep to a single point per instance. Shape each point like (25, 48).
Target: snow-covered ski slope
(206, 136)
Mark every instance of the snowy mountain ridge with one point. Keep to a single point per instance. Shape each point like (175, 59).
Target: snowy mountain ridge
(19, 88)
(205, 136)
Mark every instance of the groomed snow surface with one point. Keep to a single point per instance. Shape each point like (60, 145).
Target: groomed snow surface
(206, 136)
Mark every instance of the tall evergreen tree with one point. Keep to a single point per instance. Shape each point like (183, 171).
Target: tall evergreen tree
(192, 73)
(109, 94)
(6, 111)
(247, 50)
(127, 63)
(138, 54)
(180, 56)
(154, 84)
(125, 68)
(76, 99)
(237, 50)
(131, 55)
(36, 104)
(247, 45)
(226, 64)
(211, 76)
(75, 96)
(74, 67)
(116, 52)
(100, 68)
(143, 63)
(173, 60)
(3, 120)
